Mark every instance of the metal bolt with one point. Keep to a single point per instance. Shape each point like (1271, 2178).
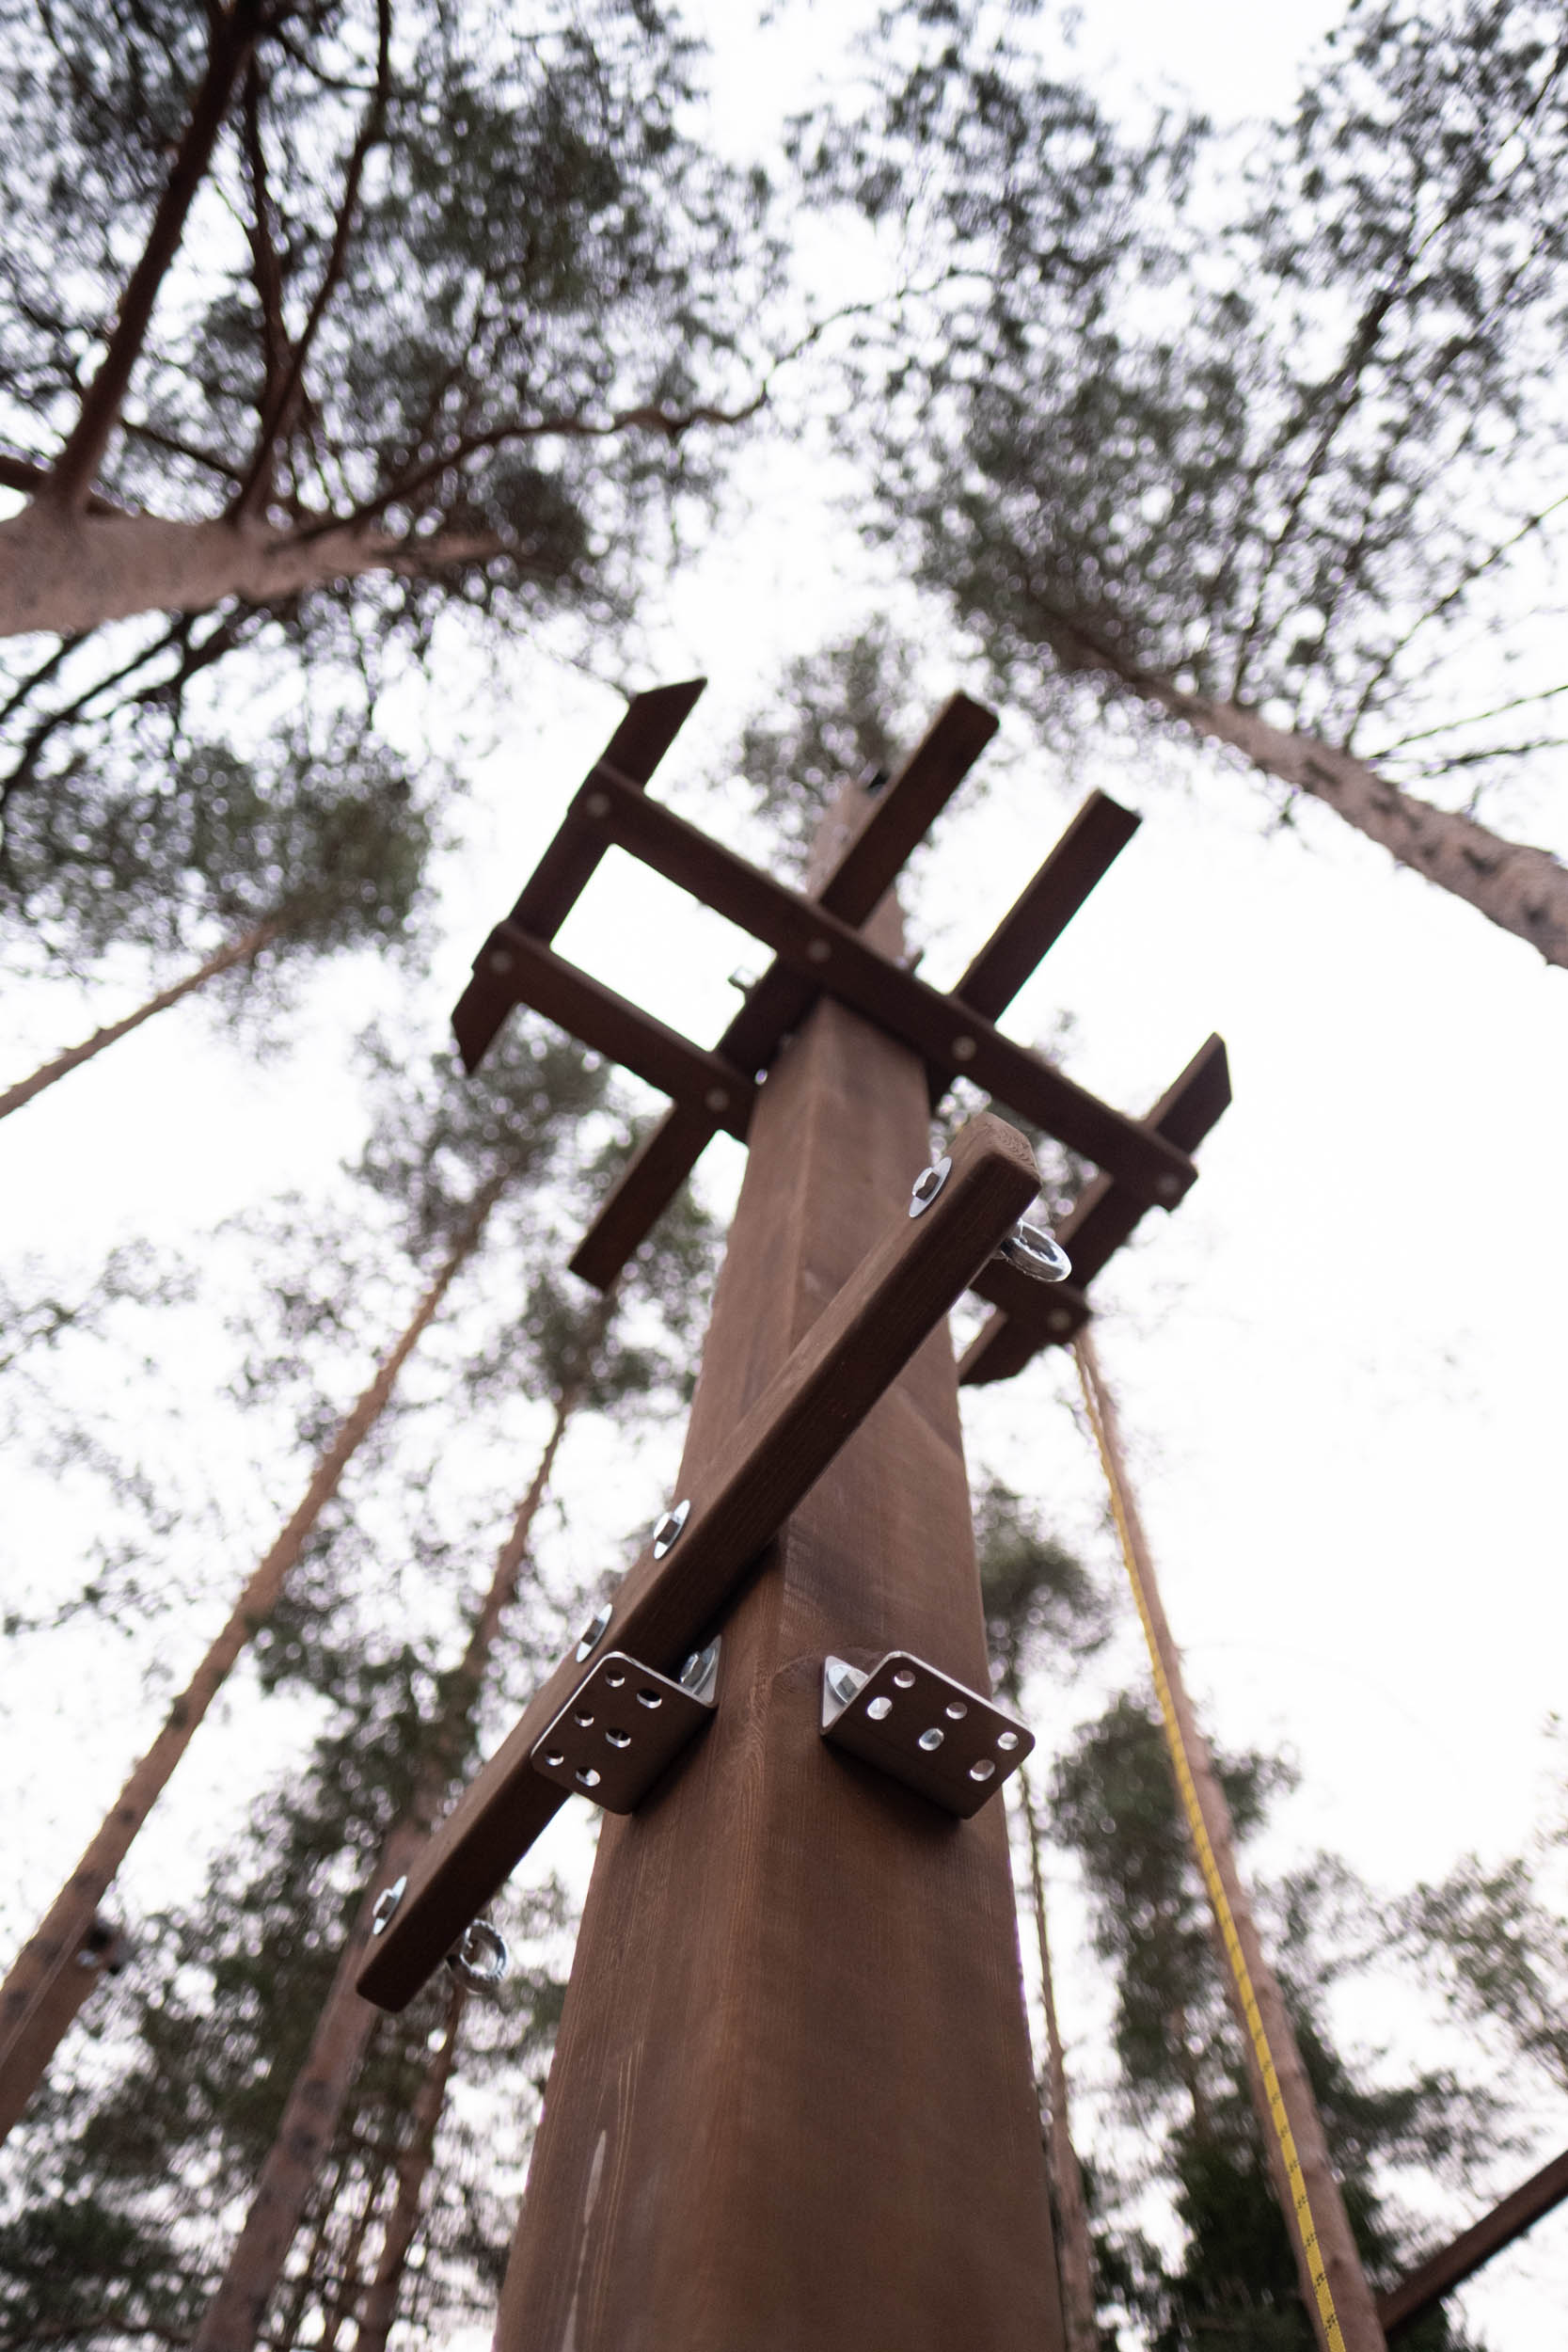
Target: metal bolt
(1167, 1186)
(928, 1184)
(386, 1903)
(667, 1534)
(500, 960)
(964, 1049)
(480, 1956)
(818, 950)
(597, 805)
(844, 1680)
(1034, 1251)
(1058, 1319)
(593, 1631)
(701, 1670)
(715, 1099)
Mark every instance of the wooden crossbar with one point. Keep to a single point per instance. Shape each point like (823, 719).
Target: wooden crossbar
(1437, 2276)
(666, 1608)
(1099, 1221)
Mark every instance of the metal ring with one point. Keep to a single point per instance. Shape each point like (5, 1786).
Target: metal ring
(1034, 1251)
(480, 1956)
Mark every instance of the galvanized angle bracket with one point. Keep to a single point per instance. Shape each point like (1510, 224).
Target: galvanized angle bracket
(920, 1726)
(624, 1725)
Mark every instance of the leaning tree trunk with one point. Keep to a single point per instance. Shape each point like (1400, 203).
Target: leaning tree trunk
(379, 2305)
(1074, 2248)
(58, 1940)
(241, 950)
(1520, 888)
(1334, 2287)
(233, 2319)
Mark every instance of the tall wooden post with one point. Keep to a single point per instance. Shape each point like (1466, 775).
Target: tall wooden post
(791, 2102)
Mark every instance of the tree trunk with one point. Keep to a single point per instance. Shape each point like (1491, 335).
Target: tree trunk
(379, 2307)
(1074, 2248)
(56, 1941)
(65, 571)
(1521, 889)
(239, 950)
(231, 34)
(1332, 2285)
(233, 2319)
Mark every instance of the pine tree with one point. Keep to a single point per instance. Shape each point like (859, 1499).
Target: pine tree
(1259, 449)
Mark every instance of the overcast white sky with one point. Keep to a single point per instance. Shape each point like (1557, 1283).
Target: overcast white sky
(1340, 1365)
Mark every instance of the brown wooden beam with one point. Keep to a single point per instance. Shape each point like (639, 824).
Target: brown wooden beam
(823, 949)
(102, 1953)
(650, 725)
(610, 1025)
(1431, 2281)
(1099, 1221)
(864, 868)
(1081, 859)
(664, 1608)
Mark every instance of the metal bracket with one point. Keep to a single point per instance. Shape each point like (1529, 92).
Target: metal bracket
(921, 1727)
(624, 1725)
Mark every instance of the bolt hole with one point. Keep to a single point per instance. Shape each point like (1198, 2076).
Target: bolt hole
(956, 1711)
(983, 1769)
(587, 1776)
(581, 1715)
(619, 1739)
(904, 1678)
(615, 1680)
(930, 1741)
(554, 1758)
(1007, 1741)
(879, 1709)
(650, 1698)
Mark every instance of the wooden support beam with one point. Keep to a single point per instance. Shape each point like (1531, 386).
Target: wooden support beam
(863, 864)
(613, 1026)
(665, 1608)
(102, 1953)
(650, 725)
(791, 2102)
(1431, 2281)
(1099, 1221)
(833, 955)
(1081, 859)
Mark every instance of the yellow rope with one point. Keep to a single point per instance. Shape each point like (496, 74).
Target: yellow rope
(1215, 1885)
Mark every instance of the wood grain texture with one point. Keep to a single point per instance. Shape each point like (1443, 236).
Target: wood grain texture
(739, 1496)
(791, 2102)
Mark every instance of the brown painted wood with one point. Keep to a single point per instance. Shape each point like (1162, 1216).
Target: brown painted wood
(26, 2060)
(832, 955)
(650, 725)
(860, 867)
(1100, 1220)
(1431, 2281)
(1081, 859)
(534, 974)
(791, 2101)
(742, 1492)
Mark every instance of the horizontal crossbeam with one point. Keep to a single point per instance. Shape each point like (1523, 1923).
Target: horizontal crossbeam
(1437, 2276)
(666, 1608)
(832, 954)
(1099, 1221)
(650, 725)
(866, 869)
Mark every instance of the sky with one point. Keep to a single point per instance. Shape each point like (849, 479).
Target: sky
(1338, 1365)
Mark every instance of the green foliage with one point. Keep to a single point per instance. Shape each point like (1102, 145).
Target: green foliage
(1273, 427)
(1043, 1609)
(838, 716)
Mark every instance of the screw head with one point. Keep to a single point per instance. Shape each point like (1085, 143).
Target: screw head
(667, 1534)
(597, 804)
(386, 1903)
(964, 1049)
(1167, 1186)
(701, 1670)
(818, 950)
(843, 1679)
(593, 1631)
(500, 960)
(928, 1184)
(715, 1099)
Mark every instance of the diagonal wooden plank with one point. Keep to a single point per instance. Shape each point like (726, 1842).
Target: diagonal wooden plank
(650, 725)
(868, 865)
(1436, 2277)
(663, 1609)
(831, 953)
(1100, 1220)
(532, 973)
(1081, 858)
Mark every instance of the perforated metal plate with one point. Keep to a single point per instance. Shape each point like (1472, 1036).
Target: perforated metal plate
(924, 1728)
(622, 1726)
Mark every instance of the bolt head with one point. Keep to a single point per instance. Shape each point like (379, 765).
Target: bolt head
(1168, 1185)
(818, 950)
(597, 804)
(964, 1049)
(715, 1099)
(667, 1534)
(500, 960)
(386, 1903)
(593, 1631)
(928, 1184)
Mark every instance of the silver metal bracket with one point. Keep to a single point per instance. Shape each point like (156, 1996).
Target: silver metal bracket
(624, 1725)
(921, 1727)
